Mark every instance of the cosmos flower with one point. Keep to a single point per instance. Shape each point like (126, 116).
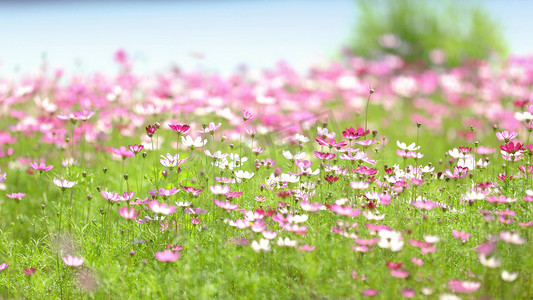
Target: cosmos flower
(73, 261)
(63, 183)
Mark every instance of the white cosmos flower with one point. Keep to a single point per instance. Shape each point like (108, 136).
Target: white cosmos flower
(263, 245)
(290, 156)
(509, 276)
(491, 262)
(404, 146)
(287, 242)
(196, 143)
(391, 240)
(243, 175)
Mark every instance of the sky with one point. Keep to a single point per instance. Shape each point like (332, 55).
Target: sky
(83, 36)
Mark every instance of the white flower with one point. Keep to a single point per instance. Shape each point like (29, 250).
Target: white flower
(509, 276)
(492, 262)
(376, 217)
(302, 139)
(263, 245)
(288, 155)
(512, 238)
(391, 240)
(196, 143)
(523, 116)
(240, 175)
(432, 239)
(287, 242)
(404, 146)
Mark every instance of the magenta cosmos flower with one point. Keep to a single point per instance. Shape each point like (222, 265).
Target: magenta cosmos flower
(167, 256)
(179, 128)
(64, 184)
(41, 167)
(73, 261)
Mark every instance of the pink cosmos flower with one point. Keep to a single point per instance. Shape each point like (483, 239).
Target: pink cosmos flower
(195, 221)
(344, 210)
(17, 196)
(128, 213)
(41, 167)
(3, 266)
(463, 287)
(2, 176)
(161, 208)
(210, 128)
(73, 261)
(136, 149)
(408, 293)
(505, 136)
(122, 152)
(399, 273)
(463, 236)
(225, 205)
(370, 292)
(424, 204)
(110, 196)
(167, 255)
(246, 115)
(64, 184)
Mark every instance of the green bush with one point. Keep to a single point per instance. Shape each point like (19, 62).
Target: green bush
(420, 29)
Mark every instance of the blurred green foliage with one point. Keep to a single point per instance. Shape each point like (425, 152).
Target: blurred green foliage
(424, 30)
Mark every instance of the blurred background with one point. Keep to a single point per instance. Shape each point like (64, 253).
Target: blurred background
(221, 35)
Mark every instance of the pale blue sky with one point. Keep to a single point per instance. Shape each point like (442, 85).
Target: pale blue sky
(258, 33)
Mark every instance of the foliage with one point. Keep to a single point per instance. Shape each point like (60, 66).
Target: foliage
(424, 31)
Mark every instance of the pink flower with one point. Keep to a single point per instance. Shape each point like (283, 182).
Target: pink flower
(408, 293)
(343, 210)
(64, 184)
(110, 196)
(128, 213)
(463, 236)
(210, 128)
(73, 261)
(136, 148)
(161, 208)
(505, 136)
(423, 204)
(225, 205)
(463, 287)
(370, 292)
(399, 273)
(17, 196)
(29, 271)
(41, 167)
(3, 266)
(246, 115)
(195, 221)
(122, 152)
(167, 255)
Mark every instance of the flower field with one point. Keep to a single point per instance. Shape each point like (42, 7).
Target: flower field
(360, 178)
